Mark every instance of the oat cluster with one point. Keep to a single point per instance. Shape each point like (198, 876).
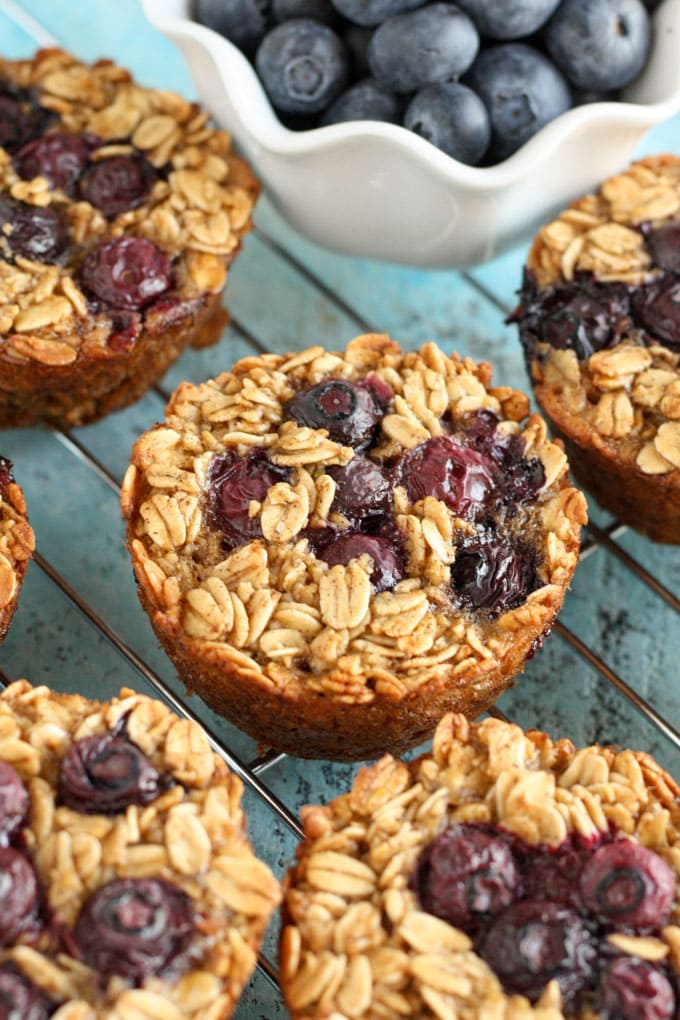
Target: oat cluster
(271, 608)
(356, 942)
(192, 835)
(630, 392)
(196, 213)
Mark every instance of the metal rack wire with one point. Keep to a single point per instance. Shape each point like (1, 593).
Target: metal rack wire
(599, 541)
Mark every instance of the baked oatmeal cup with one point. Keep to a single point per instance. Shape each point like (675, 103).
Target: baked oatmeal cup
(129, 886)
(336, 548)
(121, 209)
(17, 543)
(599, 318)
(503, 876)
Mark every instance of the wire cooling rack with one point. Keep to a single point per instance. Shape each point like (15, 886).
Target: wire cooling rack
(608, 673)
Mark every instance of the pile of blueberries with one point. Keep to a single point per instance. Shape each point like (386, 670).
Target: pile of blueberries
(477, 78)
(538, 914)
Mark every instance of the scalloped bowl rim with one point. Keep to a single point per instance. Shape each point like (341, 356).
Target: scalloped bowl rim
(258, 117)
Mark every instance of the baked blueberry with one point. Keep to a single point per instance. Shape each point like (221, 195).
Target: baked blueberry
(448, 470)
(627, 885)
(135, 927)
(60, 157)
(105, 774)
(21, 119)
(498, 19)
(35, 232)
(492, 574)
(663, 244)
(19, 894)
(364, 100)
(243, 22)
(533, 942)
(388, 568)
(522, 91)
(119, 183)
(20, 999)
(303, 66)
(347, 411)
(599, 44)
(432, 44)
(466, 874)
(233, 483)
(631, 989)
(13, 801)
(453, 118)
(656, 307)
(362, 489)
(126, 273)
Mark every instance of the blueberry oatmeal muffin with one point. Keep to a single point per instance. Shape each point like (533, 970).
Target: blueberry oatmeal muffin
(17, 543)
(503, 876)
(336, 548)
(121, 210)
(599, 317)
(129, 887)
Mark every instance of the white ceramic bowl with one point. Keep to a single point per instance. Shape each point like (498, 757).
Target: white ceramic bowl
(377, 190)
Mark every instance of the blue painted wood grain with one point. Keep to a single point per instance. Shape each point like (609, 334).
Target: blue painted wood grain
(77, 518)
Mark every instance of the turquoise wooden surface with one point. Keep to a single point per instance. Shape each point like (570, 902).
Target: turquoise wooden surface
(277, 304)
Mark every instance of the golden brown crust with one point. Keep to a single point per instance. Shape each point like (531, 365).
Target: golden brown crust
(61, 361)
(305, 657)
(192, 834)
(355, 940)
(618, 411)
(17, 543)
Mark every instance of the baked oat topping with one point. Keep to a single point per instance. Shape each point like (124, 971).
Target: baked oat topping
(363, 937)
(599, 314)
(17, 542)
(354, 523)
(153, 905)
(89, 159)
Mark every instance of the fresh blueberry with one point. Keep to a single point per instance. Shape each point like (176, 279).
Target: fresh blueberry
(626, 884)
(20, 999)
(242, 22)
(599, 44)
(533, 942)
(59, 157)
(388, 568)
(361, 489)
(18, 894)
(373, 12)
(453, 118)
(433, 44)
(656, 307)
(35, 232)
(117, 184)
(492, 575)
(522, 91)
(449, 471)
(303, 65)
(364, 100)
(466, 873)
(663, 244)
(348, 411)
(127, 273)
(633, 989)
(499, 19)
(13, 800)
(104, 774)
(320, 10)
(584, 316)
(135, 927)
